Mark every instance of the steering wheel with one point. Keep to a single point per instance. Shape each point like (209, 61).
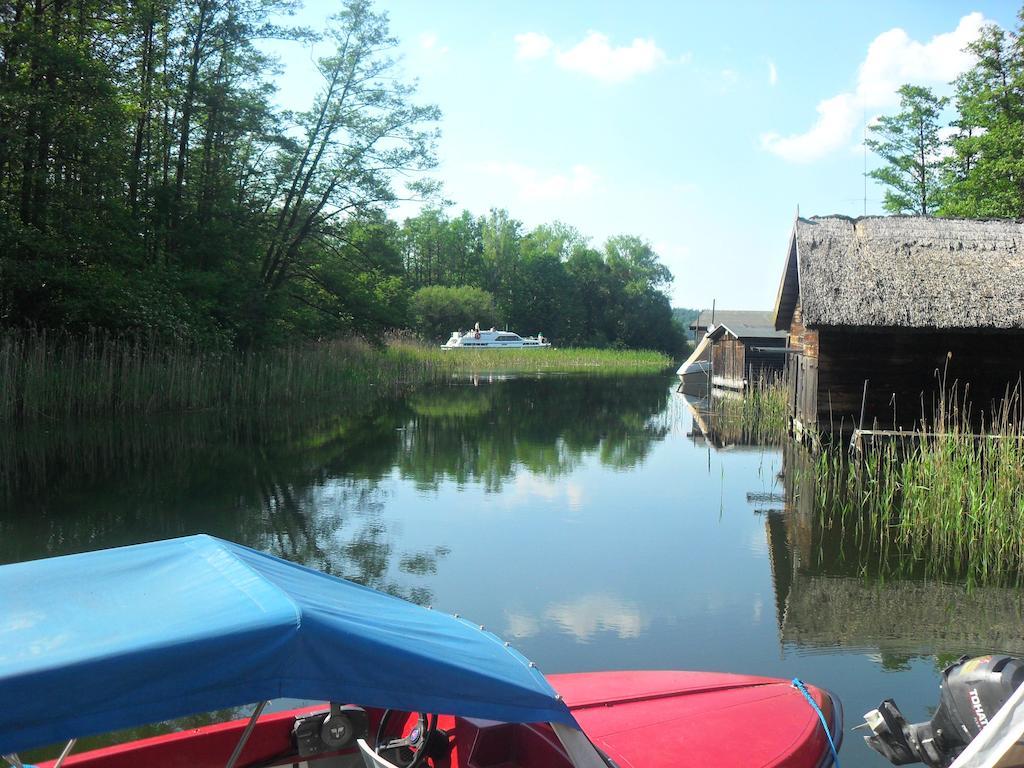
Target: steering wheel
(415, 742)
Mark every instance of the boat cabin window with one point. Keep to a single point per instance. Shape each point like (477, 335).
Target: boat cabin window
(508, 337)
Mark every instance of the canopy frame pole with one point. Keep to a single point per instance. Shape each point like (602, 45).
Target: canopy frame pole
(67, 751)
(13, 760)
(245, 735)
(580, 749)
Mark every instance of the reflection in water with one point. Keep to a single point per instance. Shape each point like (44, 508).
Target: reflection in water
(835, 588)
(598, 524)
(308, 486)
(581, 618)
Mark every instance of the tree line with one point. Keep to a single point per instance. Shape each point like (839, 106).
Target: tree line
(148, 182)
(971, 166)
(549, 280)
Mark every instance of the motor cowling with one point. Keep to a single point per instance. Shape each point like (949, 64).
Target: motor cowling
(971, 692)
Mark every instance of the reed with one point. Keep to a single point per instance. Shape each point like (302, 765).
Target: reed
(56, 376)
(761, 415)
(949, 497)
(568, 360)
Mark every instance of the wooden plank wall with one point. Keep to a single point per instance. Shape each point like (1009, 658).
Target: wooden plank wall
(903, 366)
(728, 358)
(802, 371)
(734, 361)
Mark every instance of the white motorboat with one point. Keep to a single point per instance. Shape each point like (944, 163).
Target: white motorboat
(696, 371)
(494, 339)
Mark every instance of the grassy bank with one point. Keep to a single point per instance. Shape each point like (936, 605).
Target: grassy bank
(54, 376)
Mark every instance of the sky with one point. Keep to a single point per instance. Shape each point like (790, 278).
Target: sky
(702, 127)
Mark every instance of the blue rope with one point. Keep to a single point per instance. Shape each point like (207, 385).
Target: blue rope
(798, 684)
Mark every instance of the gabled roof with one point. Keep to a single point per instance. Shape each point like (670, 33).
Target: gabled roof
(732, 317)
(762, 331)
(904, 271)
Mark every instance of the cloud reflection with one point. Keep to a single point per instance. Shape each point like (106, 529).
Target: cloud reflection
(582, 618)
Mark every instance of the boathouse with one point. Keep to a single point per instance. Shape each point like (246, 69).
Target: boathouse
(744, 354)
(884, 314)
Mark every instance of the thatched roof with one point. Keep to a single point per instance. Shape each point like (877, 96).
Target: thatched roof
(730, 317)
(904, 271)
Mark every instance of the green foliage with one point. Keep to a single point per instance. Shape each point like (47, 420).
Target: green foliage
(910, 144)
(986, 169)
(549, 280)
(979, 171)
(684, 317)
(150, 188)
(148, 185)
(439, 309)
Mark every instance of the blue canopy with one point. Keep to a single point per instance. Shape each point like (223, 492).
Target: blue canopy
(111, 639)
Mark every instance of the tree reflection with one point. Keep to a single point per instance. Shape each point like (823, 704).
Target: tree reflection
(312, 487)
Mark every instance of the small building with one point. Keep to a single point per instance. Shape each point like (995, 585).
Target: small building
(886, 314)
(742, 355)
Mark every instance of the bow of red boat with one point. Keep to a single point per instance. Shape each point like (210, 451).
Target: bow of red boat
(683, 719)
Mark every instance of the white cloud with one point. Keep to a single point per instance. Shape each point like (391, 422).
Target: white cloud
(428, 42)
(729, 76)
(892, 59)
(595, 55)
(532, 45)
(773, 73)
(532, 184)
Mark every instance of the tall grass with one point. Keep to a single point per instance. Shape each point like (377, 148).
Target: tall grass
(46, 375)
(568, 360)
(943, 496)
(761, 415)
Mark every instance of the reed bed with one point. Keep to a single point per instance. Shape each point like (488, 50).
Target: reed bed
(761, 415)
(568, 360)
(944, 496)
(55, 376)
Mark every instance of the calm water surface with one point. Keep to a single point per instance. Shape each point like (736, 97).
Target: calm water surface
(595, 523)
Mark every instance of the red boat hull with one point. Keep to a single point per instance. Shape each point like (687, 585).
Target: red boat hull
(637, 719)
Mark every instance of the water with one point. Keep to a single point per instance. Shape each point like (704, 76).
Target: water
(585, 520)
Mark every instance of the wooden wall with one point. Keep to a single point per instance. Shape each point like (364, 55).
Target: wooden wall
(735, 361)
(903, 366)
(728, 360)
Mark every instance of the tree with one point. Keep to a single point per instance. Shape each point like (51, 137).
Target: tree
(439, 309)
(363, 130)
(910, 144)
(985, 174)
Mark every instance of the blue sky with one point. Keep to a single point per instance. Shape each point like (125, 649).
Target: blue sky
(698, 126)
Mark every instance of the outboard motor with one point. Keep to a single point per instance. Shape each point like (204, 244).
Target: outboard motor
(971, 692)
